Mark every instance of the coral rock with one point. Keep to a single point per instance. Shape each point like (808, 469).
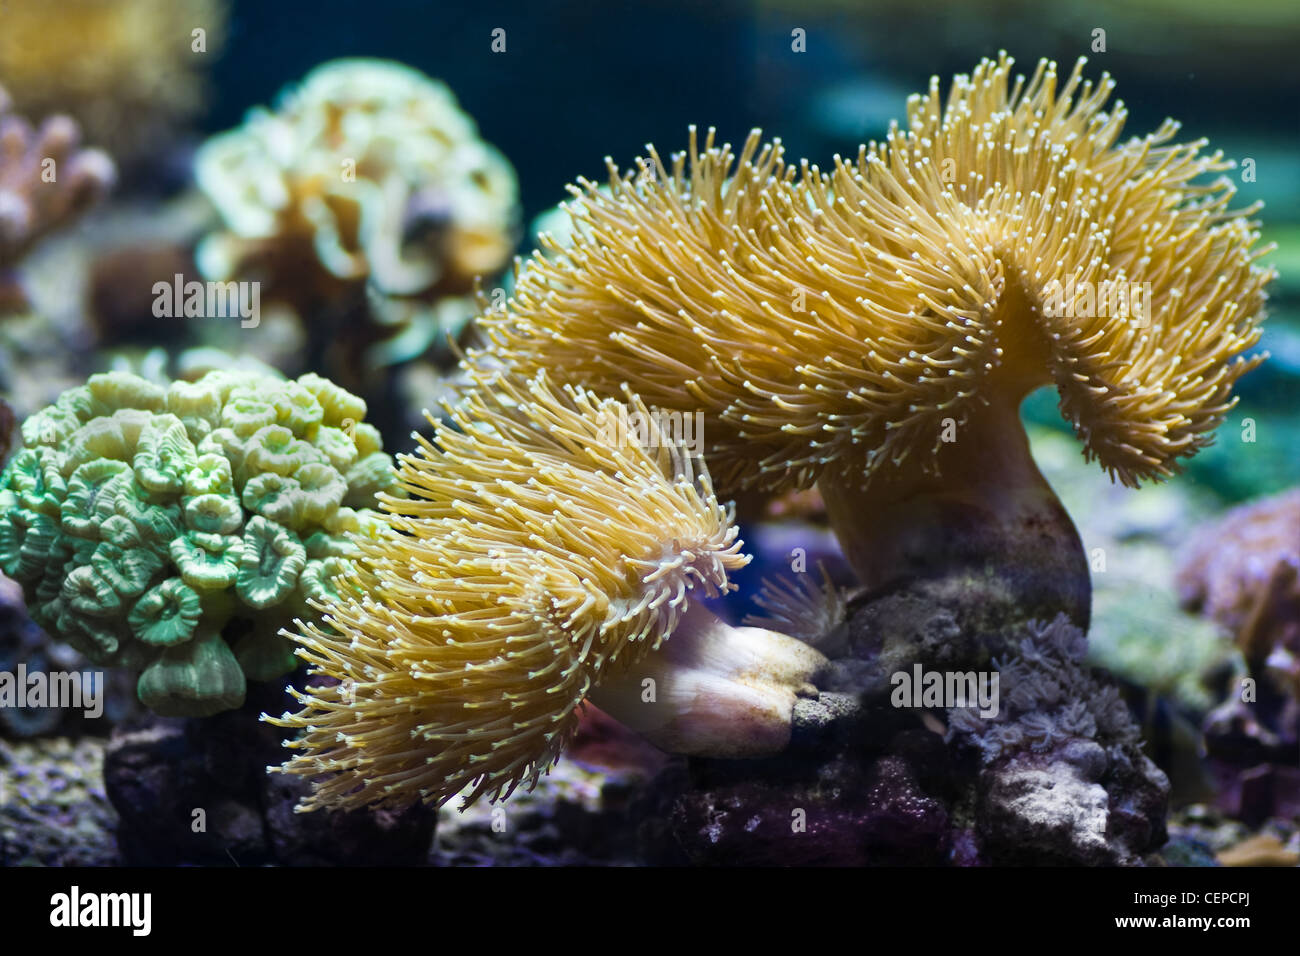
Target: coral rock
(160, 774)
(53, 811)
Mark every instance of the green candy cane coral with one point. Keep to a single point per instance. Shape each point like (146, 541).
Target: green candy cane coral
(174, 530)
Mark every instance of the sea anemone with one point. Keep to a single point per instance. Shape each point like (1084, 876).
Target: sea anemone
(875, 327)
(129, 71)
(366, 175)
(46, 181)
(544, 556)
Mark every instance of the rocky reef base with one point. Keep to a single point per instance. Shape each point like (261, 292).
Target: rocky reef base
(1057, 776)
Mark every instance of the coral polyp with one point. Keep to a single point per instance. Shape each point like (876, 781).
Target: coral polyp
(174, 530)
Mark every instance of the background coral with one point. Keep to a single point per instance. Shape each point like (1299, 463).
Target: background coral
(126, 70)
(174, 530)
(46, 181)
(365, 174)
(1243, 571)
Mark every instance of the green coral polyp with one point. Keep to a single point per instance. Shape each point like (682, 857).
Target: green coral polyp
(176, 529)
(86, 591)
(323, 491)
(340, 451)
(340, 407)
(210, 476)
(128, 572)
(208, 562)
(272, 559)
(319, 579)
(195, 679)
(166, 615)
(276, 497)
(78, 511)
(41, 546)
(164, 455)
(37, 480)
(247, 416)
(113, 437)
(213, 513)
(298, 410)
(114, 391)
(275, 449)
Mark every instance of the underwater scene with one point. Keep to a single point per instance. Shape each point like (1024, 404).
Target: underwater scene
(757, 433)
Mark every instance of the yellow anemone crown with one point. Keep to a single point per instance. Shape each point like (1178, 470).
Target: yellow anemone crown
(831, 321)
(543, 546)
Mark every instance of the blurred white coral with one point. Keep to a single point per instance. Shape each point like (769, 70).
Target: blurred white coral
(370, 170)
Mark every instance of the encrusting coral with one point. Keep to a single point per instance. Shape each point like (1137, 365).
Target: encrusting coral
(1063, 776)
(875, 327)
(366, 175)
(46, 180)
(539, 560)
(129, 71)
(174, 530)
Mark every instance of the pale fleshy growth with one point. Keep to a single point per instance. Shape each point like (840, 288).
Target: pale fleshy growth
(1243, 572)
(532, 560)
(830, 322)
